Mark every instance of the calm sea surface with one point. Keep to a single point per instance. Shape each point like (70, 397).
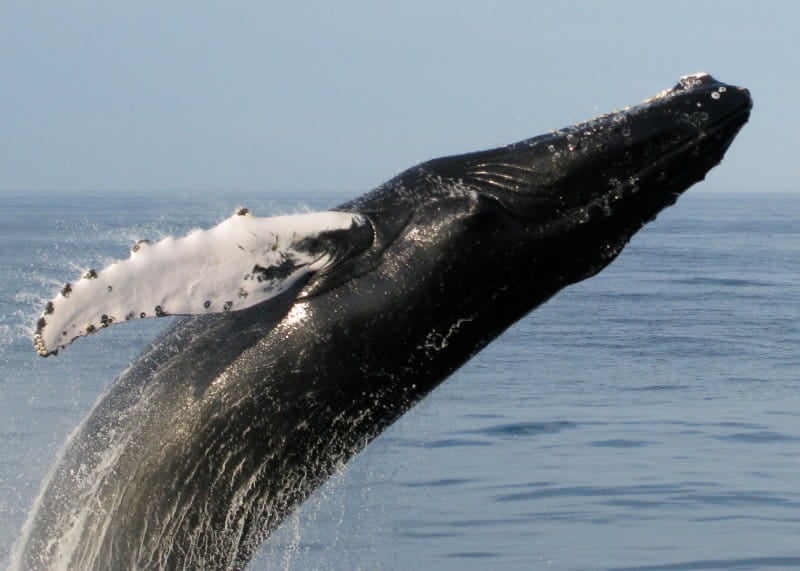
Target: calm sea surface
(648, 418)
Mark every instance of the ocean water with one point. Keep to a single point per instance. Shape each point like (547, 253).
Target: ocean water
(648, 418)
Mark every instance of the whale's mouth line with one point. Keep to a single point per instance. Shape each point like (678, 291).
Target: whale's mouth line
(733, 121)
(625, 189)
(730, 123)
(717, 133)
(739, 114)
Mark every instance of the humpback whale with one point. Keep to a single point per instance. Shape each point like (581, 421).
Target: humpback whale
(304, 336)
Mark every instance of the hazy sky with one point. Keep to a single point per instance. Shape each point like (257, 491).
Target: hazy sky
(226, 96)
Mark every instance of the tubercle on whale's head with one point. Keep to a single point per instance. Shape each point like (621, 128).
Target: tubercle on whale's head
(600, 181)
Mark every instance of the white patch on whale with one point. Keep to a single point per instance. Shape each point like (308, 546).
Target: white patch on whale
(237, 264)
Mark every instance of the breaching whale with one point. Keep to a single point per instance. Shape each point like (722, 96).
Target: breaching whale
(307, 335)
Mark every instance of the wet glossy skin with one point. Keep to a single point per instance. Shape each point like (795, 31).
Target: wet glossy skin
(227, 422)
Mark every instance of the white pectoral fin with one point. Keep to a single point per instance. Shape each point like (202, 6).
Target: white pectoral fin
(237, 264)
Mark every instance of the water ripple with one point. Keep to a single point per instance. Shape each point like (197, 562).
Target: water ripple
(524, 428)
(438, 483)
(453, 442)
(745, 563)
(760, 437)
(472, 554)
(592, 491)
(619, 443)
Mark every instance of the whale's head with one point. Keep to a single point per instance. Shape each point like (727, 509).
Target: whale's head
(558, 208)
(580, 193)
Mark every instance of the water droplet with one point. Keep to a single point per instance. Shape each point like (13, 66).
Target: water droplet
(715, 95)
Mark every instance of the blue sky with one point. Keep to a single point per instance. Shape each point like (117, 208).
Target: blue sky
(317, 96)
